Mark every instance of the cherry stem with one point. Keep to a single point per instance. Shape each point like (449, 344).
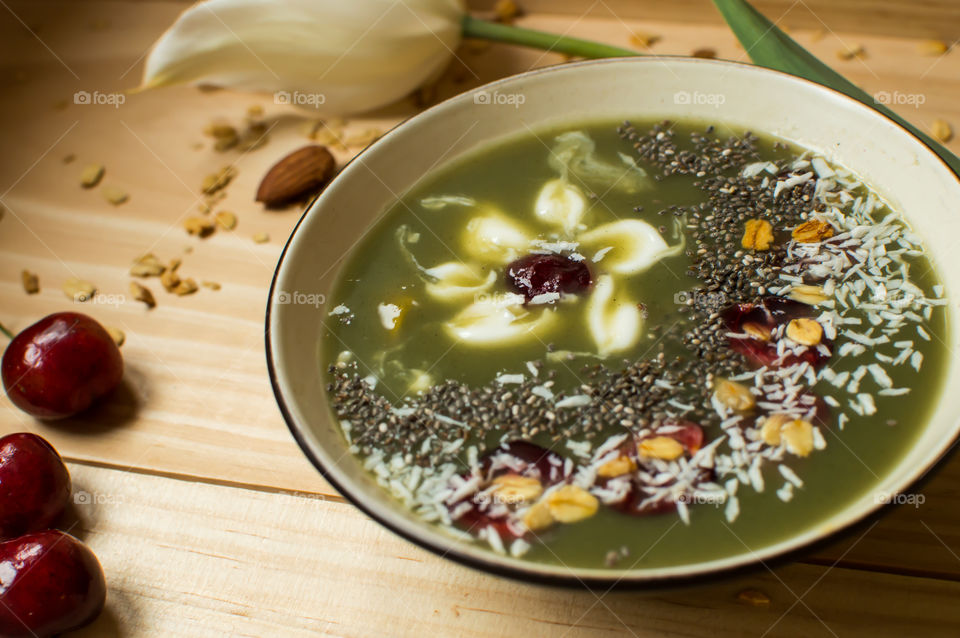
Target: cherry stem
(4, 330)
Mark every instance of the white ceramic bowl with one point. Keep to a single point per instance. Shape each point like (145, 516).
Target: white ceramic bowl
(900, 167)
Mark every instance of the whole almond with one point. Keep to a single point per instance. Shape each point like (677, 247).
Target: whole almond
(298, 174)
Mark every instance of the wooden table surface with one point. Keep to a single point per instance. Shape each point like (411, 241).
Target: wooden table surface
(206, 516)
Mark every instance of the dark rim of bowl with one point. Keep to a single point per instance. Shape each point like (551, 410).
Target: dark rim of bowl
(622, 581)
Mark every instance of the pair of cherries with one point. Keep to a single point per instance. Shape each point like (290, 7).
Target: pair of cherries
(50, 582)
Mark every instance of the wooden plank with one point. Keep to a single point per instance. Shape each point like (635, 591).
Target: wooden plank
(197, 401)
(192, 559)
(899, 18)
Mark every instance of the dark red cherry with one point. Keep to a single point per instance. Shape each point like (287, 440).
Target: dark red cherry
(772, 311)
(636, 503)
(736, 316)
(764, 353)
(60, 365)
(538, 274)
(783, 309)
(34, 485)
(763, 318)
(50, 583)
(476, 519)
(531, 460)
(686, 433)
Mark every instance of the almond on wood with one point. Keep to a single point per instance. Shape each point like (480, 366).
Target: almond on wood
(298, 174)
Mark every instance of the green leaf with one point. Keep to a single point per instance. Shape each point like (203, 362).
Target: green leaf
(770, 47)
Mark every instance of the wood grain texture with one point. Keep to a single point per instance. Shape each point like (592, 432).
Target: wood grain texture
(190, 559)
(899, 18)
(197, 402)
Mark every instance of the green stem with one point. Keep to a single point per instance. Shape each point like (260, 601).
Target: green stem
(485, 30)
(4, 330)
(768, 46)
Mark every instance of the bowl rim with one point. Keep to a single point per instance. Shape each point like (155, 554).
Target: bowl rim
(636, 580)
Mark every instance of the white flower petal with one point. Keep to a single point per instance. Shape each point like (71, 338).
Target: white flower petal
(499, 321)
(614, 320)
(457, 281)
(495, 238)
(560, 204)
(340, 56)
(634, 245)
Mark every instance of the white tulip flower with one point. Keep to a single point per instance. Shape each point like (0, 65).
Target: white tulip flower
(338, 56)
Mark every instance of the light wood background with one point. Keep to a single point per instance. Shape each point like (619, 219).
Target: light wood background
(206, 516)
(898, 18)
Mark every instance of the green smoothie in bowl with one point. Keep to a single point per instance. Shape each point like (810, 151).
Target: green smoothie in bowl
(629, 345)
